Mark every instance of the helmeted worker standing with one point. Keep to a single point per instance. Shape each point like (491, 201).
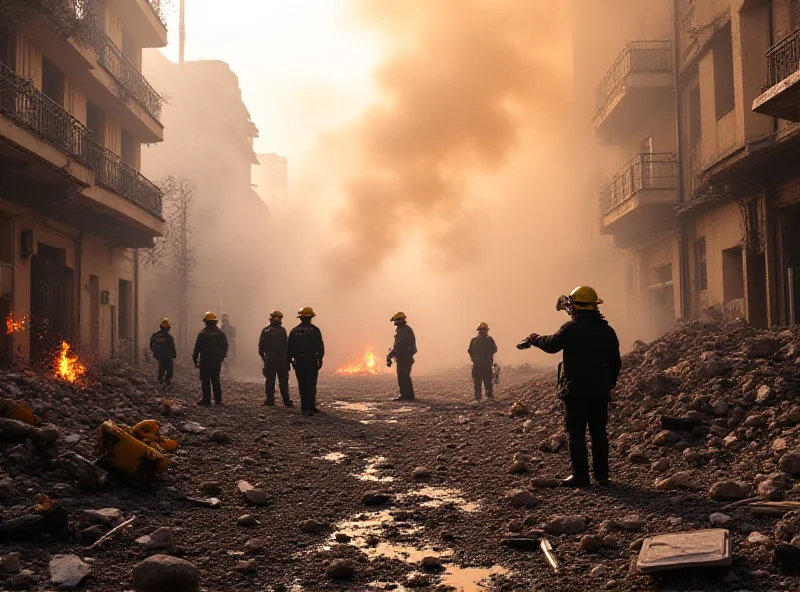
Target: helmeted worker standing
(162, 344)
(588, 373)
(272, 349)
(402, 353)
(210, 350)
(230, 332)
(481, 351)
(304, 352)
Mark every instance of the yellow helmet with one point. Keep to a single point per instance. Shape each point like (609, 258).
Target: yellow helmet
(209, 317)
(306, 313)
(276, 314)
(483, 327)
(584, 298)
(398, 316)
(165, 323)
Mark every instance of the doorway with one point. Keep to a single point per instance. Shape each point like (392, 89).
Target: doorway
(51, 302)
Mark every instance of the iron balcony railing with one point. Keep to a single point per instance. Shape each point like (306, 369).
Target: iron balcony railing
(30, 109)
(643, 171)
(131, 81)
(158, 8)
(783, 59)
(650, 57)
(22, 103)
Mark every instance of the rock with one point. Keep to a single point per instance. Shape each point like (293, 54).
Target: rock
(9, 564)
(591, 543)
(73, 439)
(163, 573)
(520, 498)
(763, 394)
(790, 463)
(680, 480)
(253, 496)
(719, 520)
(775, 485)
(632, 523)
(340, 570)
(312, 527)
(220, 437)
(560, 525)
(89, 476)
(788, 527)
(211, 488)
(762, 348)
(104, 516)
(729, 491)
(45, 436)
(666, 437)
(342, 537)
(794, 415)
(162, 539)
(67, 571)
(544, 482)
(779, 445)
(600, 571)
(246, 520)
(91, 534)
(192, 427)
(756, 538)
(254, 546)
(376, 498)
(12, 430)
(421, 473)
(720, 408)
(755, 421)
(661, 465)
(246, 566)
(638, 456)
(519, 467)
(24, 580)
(431, 563)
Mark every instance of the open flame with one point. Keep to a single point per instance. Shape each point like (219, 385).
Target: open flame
(368, 365)
(68, 366)
(13, 326)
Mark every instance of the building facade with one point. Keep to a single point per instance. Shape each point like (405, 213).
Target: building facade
(696, 131)
(272, 179)
(74, 111)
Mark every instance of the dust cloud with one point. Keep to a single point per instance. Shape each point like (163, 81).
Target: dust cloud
(459, 197)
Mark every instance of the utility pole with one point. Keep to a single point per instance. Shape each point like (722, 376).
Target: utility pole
(182, 32)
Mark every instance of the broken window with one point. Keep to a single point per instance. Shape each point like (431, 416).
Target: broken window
(52, 81)
(722, 53)
(702, 269)
(732, 274)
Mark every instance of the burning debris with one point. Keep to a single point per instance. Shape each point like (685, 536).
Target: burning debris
(68, 367)
(367, 366)
(16, 326)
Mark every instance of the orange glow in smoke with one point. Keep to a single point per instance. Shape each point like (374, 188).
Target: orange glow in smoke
(368, 365)
(68, 367)
(13, 326)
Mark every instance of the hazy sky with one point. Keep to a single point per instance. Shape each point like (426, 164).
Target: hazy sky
(303, 65)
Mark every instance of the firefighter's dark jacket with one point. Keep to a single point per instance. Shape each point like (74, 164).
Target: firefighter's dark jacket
(211, 345)
(162, 344)
(305, 346)
(591, 355)
(405, 343)
(272, 344)
(482, 350)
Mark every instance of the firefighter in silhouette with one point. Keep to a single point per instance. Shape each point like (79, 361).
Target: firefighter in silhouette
(481, 351)
(402, 353)
(210, 351)
(272, 349)
(587, 376)
(230, 332)
(304, 352)
(162, 345)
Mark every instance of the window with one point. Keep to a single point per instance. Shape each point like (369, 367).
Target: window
(702, 268)
(128, 150)
(722, 53)
(7, 48)
(695, 127)
(732, 274)
(96, 122)
(52, 81)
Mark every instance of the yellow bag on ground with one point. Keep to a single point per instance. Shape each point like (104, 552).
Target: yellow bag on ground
(148, 432)
(130, 456)
(20, 411)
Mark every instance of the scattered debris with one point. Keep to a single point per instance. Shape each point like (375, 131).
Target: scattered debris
(547, 549)
(702, 548)
(67, 571)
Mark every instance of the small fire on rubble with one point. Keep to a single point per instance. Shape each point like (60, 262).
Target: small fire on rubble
(368, 365)
(17, 326)
(68, 366)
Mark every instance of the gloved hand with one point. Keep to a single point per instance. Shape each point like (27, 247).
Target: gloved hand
(532, 336)
(319, 364)
(525, 343)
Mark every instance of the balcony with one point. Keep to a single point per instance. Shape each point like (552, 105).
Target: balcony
(780, 97)
(636, 86)
(128, 207)
(144, 18)
(637, 202)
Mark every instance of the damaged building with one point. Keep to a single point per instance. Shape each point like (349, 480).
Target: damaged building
(695, 110)
(74, 208)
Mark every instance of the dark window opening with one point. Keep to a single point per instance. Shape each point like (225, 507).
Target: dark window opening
(722, 53)
(52, 81)
(128, 151)
(7, 53)
(732, 274)
(702, 268)
(695, 126)
(96, 122)
(125, 328)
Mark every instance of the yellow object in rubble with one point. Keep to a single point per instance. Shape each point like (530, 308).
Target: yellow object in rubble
(20, 411)
(519, 409)
(130, 456)
(147, 431)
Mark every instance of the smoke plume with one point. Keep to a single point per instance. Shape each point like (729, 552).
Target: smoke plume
(463, 83)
